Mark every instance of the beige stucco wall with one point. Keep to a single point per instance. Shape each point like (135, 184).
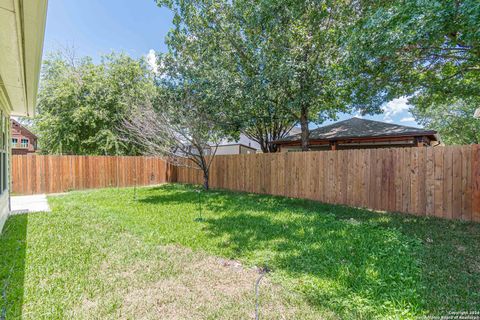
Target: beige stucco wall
(4, 209)
(234, 149)
(246, 150)
(5, 197)
(231, 149)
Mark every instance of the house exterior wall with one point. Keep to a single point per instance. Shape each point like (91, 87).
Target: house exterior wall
(234, 149)
(19, 134)
(247, 150)
(230, 149)
(22, 28)
(5, 156)
(243, 140)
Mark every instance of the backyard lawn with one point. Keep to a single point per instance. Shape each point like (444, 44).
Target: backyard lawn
(146, 254)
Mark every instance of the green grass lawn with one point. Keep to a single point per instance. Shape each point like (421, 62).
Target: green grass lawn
(101, 254)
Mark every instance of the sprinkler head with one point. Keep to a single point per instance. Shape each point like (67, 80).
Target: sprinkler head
(264, 269)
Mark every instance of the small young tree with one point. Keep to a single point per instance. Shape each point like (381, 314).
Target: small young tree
(182, 129)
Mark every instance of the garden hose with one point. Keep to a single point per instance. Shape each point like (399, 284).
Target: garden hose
(263, 272)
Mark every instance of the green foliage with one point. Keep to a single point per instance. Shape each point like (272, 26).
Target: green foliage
(417, 48)
(81, 104)
(428, 50)
(189, 105)
(271, 63)
(453, 119)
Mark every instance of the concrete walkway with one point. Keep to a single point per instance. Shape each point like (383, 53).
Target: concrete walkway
(26, 204)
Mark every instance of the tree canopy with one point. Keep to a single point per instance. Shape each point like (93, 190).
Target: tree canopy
(427, 50)
(272, 63)
(452, 118)
(81, 104)
(261, 67)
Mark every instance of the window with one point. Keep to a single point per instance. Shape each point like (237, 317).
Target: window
(14, 142)
(24, 143)
(4, 172)
(3, 153)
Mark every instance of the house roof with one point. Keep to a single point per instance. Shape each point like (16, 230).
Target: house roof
(360, 128)
(23, 128)
(22, 26)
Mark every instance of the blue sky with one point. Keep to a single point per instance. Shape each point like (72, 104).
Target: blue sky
(96, 27)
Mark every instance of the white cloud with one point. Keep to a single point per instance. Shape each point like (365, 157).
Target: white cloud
(358, 115)
(394, 107)
(152, 60)
(407, 119)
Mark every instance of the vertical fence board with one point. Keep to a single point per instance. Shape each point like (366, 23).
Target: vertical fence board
(475, 155)
(414, 181)
(422, 173)
(430, 183)
(398, 179)
(466, 183)
(448, 182)
(438, 184)
(457, 183)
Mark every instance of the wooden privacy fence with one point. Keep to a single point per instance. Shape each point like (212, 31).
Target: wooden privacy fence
(48, 174)
(430, 181)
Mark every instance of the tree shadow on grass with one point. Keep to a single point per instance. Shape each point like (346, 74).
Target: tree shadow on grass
(169, 194)
(352, 268)
(13, 244)
(356, 262)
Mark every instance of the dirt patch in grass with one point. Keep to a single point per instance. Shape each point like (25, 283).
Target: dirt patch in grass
(174, 282)
(203, 286)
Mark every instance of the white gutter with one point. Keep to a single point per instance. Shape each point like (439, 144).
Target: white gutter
(22, 29)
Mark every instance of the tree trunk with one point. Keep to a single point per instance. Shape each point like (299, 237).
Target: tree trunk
(268, 147)
(304, 127)
(206, 180)
(273, 148)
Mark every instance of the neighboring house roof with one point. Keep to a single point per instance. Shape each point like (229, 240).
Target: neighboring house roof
(23, 128)
(294, 130)
(22, 26)
(249, 143)
(244, 140)
(360, 128)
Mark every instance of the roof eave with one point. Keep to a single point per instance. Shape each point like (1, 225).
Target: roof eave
(431, 134)
(23, 29)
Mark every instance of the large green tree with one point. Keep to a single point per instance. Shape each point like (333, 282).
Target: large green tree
(81, 104)
(270, 63)
(427, 50)
(452, 118)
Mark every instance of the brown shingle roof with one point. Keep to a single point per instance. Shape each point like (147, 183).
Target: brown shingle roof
(360, 128)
